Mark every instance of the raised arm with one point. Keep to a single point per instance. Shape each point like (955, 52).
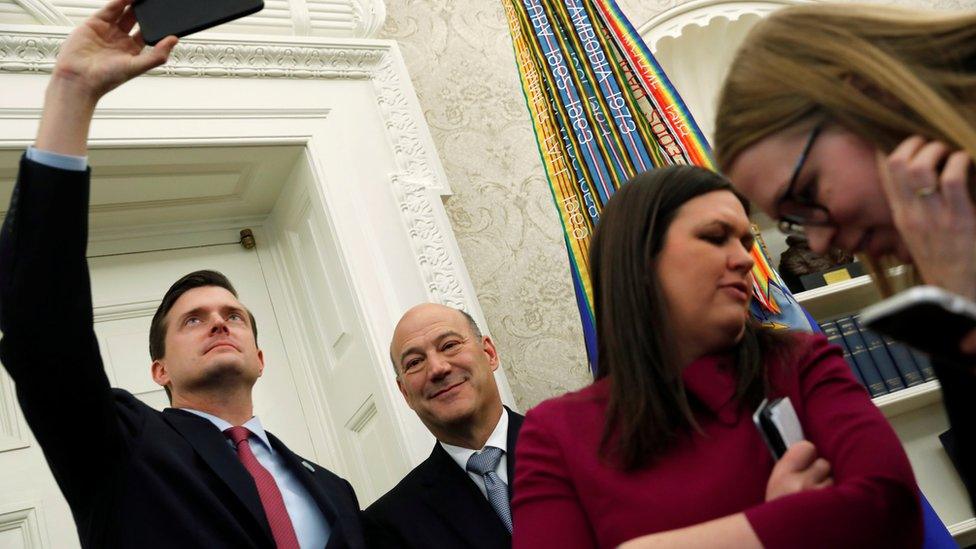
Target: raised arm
(98, 56)
(49, 346)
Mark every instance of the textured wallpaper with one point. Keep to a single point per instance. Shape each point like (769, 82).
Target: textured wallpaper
(460, 58)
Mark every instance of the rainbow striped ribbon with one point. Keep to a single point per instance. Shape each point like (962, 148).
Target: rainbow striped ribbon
(603, 111)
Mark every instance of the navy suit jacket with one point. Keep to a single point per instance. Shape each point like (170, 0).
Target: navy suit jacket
(438, 505)
(132, 476)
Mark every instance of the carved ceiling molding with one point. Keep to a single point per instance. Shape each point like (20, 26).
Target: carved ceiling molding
(368, 16)
(44, 11)
(419, 175)
(672, 22)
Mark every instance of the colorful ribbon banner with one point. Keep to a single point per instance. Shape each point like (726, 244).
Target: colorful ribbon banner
(604, 111)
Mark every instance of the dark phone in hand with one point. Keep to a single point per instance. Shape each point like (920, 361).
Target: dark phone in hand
(161, 18)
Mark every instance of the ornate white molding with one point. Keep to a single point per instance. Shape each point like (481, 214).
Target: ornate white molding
(34, 50)
(368, 16)
(401, 123)
(672, 22)
(44, 11)
(429, 245)
(300, 17)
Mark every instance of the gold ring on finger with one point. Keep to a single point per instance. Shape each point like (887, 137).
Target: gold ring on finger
(926, 192)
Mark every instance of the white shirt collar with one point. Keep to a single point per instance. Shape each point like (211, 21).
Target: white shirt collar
(253, 425)
(498, 439)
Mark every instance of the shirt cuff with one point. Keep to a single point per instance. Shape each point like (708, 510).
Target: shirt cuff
(55, 160)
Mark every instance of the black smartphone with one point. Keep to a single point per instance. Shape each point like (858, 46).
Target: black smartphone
(161, 18)
(925, 317)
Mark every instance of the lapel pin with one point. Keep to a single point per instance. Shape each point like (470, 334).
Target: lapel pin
(308, 466)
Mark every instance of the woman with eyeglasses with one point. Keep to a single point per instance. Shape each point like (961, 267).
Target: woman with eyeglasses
(661, 450)
(855, 125)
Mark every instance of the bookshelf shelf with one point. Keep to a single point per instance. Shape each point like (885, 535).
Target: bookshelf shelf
(842, 298)
(907, 400)
(964, 532)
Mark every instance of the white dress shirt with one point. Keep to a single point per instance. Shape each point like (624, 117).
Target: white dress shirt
(310, 525)
(57, 160)
(498, 439)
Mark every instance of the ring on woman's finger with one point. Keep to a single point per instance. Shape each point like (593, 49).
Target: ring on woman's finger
(926, 192)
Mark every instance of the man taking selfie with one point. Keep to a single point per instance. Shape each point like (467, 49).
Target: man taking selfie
(203, 473)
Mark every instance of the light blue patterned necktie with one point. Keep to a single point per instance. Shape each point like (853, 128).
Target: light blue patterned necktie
(484, 463)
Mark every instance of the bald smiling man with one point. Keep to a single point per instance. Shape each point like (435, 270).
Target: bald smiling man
(459, 496)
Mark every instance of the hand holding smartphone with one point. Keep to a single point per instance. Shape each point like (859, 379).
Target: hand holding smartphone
(161, 18)
(778, 425)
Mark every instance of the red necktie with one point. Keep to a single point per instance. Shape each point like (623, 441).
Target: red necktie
(274, 505)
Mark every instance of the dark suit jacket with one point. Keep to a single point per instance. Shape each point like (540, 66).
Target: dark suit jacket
(133, 477)
(438, 505)
(958, 389)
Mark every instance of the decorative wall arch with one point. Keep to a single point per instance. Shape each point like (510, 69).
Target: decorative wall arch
(696, 42)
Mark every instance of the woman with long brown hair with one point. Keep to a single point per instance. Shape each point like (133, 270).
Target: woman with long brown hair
(662, 447)
(856, 126)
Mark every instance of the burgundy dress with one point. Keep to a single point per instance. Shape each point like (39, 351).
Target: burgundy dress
(566, 496)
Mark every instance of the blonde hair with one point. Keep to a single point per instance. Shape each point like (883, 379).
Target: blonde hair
(884, 73)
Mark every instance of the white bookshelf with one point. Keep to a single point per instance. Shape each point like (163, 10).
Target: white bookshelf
(910, 399)
(915, 413)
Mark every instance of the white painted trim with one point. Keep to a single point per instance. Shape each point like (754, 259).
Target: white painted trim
(964, 531)
(124, 310)
(300, 17)
(188, 113)
(44, 11)
(368, 16)
(28, 518)
(13, 427)
(672, 22)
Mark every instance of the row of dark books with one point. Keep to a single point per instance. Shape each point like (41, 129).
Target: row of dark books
(878, 362)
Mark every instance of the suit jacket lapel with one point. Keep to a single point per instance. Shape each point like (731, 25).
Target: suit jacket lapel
(452, 494)
(210, 444)
(514, 424)
(310, 482)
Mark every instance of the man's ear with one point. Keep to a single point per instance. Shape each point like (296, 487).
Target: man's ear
(261, 359)
(159, 373)
(489, 347)
(403, 392)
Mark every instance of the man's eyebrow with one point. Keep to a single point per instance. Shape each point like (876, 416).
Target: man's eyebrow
(438, 339)
(196, 311)
(234, 309)
(406, 352)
